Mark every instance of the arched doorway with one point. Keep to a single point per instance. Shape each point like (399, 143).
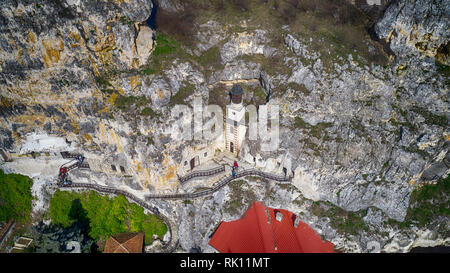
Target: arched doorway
(231, 147)
(192, 162)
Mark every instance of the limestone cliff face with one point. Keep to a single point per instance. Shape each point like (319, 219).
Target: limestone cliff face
(356, 134)
(52, 52)
(52, 59)
(417, 28)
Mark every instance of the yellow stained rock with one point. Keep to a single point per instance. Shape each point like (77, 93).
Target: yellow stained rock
(51, 50)
(134, 81)
(31, 37)
(30, 119)
(4, 102)
(102, 128)
(112, 98)
(88, 137)
(116, 140)
(104, 110)
(76, 127)
(388, 39)
(75, 36)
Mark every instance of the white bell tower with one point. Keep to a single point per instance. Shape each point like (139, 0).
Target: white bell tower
(235, 121)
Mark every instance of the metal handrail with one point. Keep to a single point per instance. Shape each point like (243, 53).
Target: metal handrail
(201, 173)
(221, 183)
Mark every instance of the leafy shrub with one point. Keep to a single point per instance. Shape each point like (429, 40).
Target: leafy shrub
(182, 94)
(429, 201)
(164, 45)
(344, 221)
(104, 216)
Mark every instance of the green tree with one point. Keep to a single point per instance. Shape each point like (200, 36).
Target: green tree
(104, 216)
(15, 197)
(60, 206)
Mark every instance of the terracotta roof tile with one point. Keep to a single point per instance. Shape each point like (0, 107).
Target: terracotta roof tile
(127, 242)
(260, 232)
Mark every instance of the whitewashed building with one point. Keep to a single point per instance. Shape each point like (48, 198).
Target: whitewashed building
(235, 128)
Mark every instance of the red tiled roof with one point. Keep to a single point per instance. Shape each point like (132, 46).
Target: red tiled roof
(125, 243)
(259, 232)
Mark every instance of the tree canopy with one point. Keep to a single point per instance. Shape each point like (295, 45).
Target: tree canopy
(104, 216)
(15, 197)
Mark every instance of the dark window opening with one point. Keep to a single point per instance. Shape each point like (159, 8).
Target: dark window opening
(206, 154)
(278, 215)
(113, 168)
(122, 169)
(192, 163)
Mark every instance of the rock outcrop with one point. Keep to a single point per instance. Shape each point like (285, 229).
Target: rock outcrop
(417, 27)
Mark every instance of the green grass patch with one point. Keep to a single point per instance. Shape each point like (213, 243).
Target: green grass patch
(147, 111)
(211, 58)
(426, 203)
(15, 197)
(167, 49)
